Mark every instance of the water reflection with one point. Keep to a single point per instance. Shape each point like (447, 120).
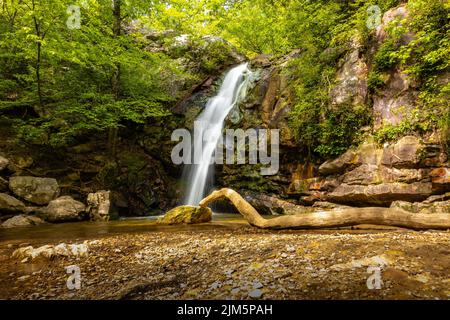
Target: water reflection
(87, 230)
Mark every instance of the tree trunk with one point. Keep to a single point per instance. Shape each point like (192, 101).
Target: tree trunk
(37, 27)
(343, 218)
(115, 80)
(38, 73)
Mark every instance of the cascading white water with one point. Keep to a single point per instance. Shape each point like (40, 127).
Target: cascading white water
(211, 122)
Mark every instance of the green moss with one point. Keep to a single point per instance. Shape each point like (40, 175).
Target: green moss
(186, 215)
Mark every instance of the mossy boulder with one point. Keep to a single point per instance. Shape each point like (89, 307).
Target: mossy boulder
(187, 215)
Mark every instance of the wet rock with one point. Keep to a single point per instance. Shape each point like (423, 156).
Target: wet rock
(99, 205)
(36, 190)
(64, 209)
(3, 163)
(22, 221)
(187, 215)
(9, 204)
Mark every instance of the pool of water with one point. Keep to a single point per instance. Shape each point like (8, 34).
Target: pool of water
(88, 230)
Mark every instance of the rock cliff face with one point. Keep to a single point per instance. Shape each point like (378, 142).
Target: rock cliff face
(413, 168)
(143, 180)
(141, 176)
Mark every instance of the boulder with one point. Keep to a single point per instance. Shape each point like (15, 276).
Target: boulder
(186, 215)
(3, 163)
(340, 164)
(98, 206)
(10, 204)
(381, 194)
(405, 153)
(4, 185)
(18, 163)
(363, 175)
(64, 209)
(39, 191)
(22, 221)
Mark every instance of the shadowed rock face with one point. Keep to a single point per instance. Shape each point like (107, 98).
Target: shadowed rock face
(3, 163)
(10, 204)
(187, 215)
(3, 185)
(36, 190)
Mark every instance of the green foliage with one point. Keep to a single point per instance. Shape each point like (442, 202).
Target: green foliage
(327, 29)
(424, 58)
(415, 122)
(386, 57)
(75, 92)
(375, 81)
(58, 83)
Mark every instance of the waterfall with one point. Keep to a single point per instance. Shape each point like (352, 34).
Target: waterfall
(208, 130)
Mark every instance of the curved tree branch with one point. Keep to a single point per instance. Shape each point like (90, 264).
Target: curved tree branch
(343, 218)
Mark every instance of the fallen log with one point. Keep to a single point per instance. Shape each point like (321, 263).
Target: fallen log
(335, 219)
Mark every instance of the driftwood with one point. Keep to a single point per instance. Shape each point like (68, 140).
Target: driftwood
(335, 219)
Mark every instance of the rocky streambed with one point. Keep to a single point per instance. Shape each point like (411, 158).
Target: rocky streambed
(224, 259)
